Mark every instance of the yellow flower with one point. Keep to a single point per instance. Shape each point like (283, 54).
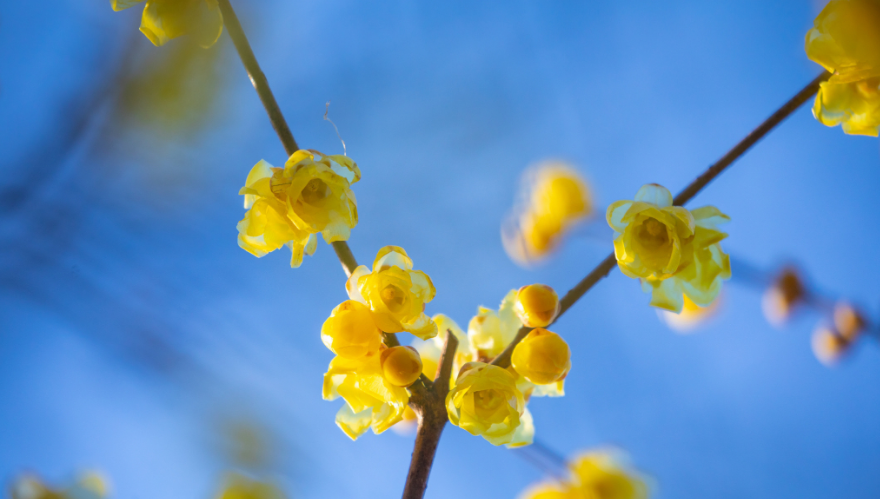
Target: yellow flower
(266, 226)
(90, 485)
(238, 486)
(672, 250)
(542, 357)
(691, 315)
(785, 294)
(829, 346)
(166, 19)
(289, 206)
(350, 331)
(536, 305)
(371, 400)
(593, 475)
(395, 293)
(845, 40)
(485, 401)
(318, 193)
(401, 366)
(555, 197)
(489, 332)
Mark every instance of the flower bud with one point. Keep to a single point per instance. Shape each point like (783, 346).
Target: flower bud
(783, 296)
(848, 321)
(542, 357)
(829, 346)
(401, 365)
(536, 305)
(350, 331)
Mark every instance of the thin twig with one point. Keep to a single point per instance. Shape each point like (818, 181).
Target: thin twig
(604, 268)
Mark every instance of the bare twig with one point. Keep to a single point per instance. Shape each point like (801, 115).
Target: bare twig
(602, 270)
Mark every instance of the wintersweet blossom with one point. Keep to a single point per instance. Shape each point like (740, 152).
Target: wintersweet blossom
(485, 401)
(401, 366)
(592, 475)
(395, 293)
(672, 250)
(89, 485)
(542, 357)
(371, 401)
(350, 331)
(555, 198)
(781, 299)
(537, 305)
(845, 40)
(166, 19)
(830, 344)
(289, 206)
(489, 332)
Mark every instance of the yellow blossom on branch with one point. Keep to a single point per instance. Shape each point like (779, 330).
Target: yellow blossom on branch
(485, 401)
(166, 19)
(489, 332)
(537, 305)
(401, 366)
(350, 331)
(542, 357)
(672, 250)
(845, 40)
(89, 485)
(593, 475)
(395, 293)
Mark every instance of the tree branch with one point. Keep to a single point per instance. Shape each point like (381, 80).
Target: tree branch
(604, 268)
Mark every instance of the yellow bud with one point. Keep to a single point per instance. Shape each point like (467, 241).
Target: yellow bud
(536, 305)
(848, 321)
(829, 346)
(783, 296)
(401, 365)
(542, 357)
(350, 330)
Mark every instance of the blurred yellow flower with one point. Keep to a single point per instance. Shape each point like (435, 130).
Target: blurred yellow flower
(672, 250)
(166, 19)
(542, 357)
(489, 332)
(593, 475)
(829, 346)
(555, 197)
(89, 485)
(849, 321)
(289, 206)
(485, 401)
(238, 486)
(537, 305)
(395, 293)
(785, 294)
(350, 331)
(401, 366)
(691, 316)
(845, 40)
(371, 400)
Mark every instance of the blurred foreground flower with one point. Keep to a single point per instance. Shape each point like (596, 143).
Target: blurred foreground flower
(845, 40)
(289, 206)
(485, 401)
(593, 475)
(691, 316)
(395, 293)
(831, 344)
(784, 296)
(672, 250)
(554, 198)
(90, 485)
(166, 19)
(238, 486)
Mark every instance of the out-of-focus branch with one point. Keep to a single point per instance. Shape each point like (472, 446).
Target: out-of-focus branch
(602, 270)
(430, 406)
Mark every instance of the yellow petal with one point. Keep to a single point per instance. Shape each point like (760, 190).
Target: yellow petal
(654, 194)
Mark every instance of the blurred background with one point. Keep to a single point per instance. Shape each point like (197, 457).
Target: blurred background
(137, 338)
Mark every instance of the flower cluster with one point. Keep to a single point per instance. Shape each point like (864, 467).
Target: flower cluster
(593, 475)
(845, 41)
(489, 400)
(89, 486)
(555, 198)
(166, 19)
(831, 343)
(289, 206)
(672, 250)
(371, 377)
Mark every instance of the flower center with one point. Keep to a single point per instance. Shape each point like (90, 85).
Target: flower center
(653, 234)
(487, 402)
(393, 297)
(315, 191)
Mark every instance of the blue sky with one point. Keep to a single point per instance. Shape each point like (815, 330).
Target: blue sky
(131, 322)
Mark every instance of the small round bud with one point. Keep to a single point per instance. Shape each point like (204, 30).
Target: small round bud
(350, 330)
(536, 305)
(786, 293)
(542, 357)
(829, 346)
(848, 321)
(401, 365)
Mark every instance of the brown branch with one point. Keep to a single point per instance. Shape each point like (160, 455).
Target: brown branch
(604, 268)
(431, 409)
(261, 84)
